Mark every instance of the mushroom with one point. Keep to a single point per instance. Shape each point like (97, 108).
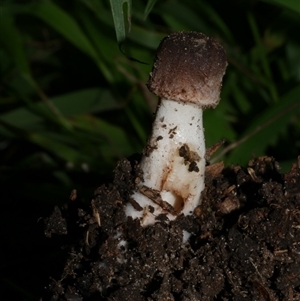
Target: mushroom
(187, 77)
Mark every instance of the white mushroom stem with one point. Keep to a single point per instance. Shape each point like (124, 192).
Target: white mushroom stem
(174, 165)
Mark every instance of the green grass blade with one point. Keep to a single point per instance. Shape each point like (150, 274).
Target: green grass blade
(115, 137)
(265, 129)
(10, 38)
(291, 4)
(262, 57)
(100, 42)
(149, 7)
(117, 9)
(221, 26)
(54, 144)
(147, 38)
(137, 125)
(70, 104)
(65, 24)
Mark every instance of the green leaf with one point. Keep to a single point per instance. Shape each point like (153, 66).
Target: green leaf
(149, 7)
(70, 104)
(291, 4)
(147, 38)
(265, 129)
(66, 25)
(11, 39)
(117, 9)
(221, 27)
(103, 45)
(55, 144)
(179, 16)
(115, 137)
(86, 101)
(261, 52)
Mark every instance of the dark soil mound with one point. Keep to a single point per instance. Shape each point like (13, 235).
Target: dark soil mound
(244, 243)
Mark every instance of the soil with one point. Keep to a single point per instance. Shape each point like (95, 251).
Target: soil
(244, 243)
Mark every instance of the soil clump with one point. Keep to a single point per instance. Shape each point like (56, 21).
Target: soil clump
(244, 241)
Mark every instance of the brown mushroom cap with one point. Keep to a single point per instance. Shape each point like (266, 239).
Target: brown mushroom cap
(189, 67)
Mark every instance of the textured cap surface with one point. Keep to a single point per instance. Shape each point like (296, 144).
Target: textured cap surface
(189, 67)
